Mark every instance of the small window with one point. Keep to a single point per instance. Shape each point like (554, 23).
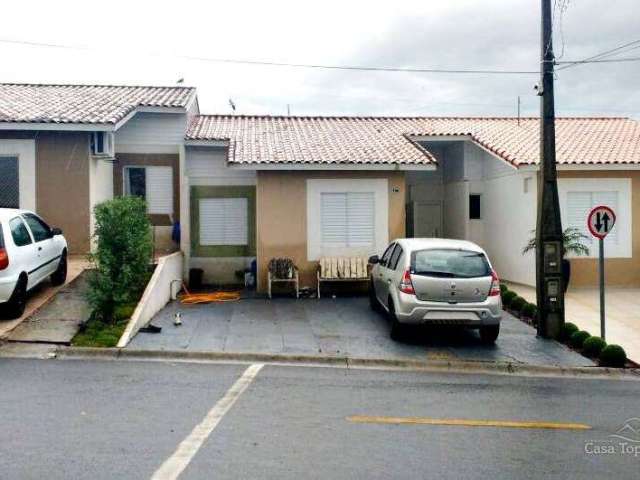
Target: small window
(154, 184)
(397, 253)
(39, 229)
(19, 232)
(474, 207)
(9, 182)
(224, 221)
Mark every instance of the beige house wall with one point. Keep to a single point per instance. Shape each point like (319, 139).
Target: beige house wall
(281, 206)
(623, 272)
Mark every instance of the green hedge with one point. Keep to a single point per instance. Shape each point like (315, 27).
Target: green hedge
(529, 310)
(508, 297)
(613, 356)
(592, 346)
(568, 329)
(577, 339)
(517, 304)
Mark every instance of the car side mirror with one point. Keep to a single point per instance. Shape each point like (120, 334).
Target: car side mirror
(373, 259)
(56, 231)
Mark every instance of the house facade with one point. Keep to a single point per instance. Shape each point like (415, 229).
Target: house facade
(66, 148)
(251, 188)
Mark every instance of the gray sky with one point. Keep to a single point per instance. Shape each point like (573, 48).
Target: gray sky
(140, 42)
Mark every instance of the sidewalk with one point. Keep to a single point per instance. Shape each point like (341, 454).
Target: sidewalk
(583, 308)
(41, 294)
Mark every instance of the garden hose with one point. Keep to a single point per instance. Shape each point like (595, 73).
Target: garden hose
(189, 298)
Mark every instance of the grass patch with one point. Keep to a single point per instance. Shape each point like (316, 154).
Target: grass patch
(96, 333)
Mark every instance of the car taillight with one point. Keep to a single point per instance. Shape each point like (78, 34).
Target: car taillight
(495, 284)
(406, 286)
(4, 259)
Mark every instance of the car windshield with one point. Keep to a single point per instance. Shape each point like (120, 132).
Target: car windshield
(450, 263)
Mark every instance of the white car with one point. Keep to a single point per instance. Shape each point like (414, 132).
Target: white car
(30, 252)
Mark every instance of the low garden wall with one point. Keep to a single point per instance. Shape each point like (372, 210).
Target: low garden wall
(165, 281)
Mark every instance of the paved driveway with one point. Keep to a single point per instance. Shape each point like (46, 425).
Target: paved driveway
(336, 327)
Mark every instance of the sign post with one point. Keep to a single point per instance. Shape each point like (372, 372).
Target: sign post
(600, 222)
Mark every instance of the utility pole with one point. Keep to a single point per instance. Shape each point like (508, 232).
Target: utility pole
(549, 249)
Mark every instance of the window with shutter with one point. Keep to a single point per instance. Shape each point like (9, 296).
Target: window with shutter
(224, 221)
(347, 219)
(154, 184)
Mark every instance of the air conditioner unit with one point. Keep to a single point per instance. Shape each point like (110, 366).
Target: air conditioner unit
(102, 145)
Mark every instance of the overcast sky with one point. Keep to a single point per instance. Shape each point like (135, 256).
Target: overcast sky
(141, 42)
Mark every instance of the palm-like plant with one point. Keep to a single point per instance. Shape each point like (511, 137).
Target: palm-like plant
(572, 239)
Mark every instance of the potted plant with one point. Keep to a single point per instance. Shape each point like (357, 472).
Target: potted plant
(573, 241)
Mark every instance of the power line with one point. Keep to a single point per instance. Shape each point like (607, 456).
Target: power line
(608, 53)
(298, 65)
(604, 60)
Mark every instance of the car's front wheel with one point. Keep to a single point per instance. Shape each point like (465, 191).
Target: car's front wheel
(60, 275)
(373, 300)
(14, 308)
(489, 334)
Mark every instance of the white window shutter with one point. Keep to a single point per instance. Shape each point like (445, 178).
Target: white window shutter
(224, 221)
(159, 190)
(347, 219)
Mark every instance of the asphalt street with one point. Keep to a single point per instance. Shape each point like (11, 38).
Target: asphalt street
(124, 419)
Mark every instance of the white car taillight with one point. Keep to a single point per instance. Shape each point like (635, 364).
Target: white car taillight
(406, 286)
(495, 284)
(4, 259)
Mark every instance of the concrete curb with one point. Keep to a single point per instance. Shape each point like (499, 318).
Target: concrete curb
(454, 366)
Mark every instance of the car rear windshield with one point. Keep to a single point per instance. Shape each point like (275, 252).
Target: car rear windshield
(450, 263)
(1, 237)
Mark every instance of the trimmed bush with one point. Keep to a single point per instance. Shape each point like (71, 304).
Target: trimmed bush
(592, 346)
(529, 310)
(517, 304)
(508, 297)
(503, 289)
(122, 256)
(577, 339)
(568, 329)
(613, 356)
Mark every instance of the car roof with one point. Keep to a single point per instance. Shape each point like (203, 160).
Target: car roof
(8, 213)
(428, 243)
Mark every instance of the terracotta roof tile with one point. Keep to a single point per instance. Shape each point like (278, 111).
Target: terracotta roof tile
(85, 104)
(388, 140)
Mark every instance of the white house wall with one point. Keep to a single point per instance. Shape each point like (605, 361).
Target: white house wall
(100, 186)
(152, 133)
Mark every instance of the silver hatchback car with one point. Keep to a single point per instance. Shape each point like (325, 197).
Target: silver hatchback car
(438, 282)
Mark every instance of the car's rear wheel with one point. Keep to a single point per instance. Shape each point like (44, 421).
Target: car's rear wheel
(14, 308)
(489, 334)
(397, 329)
(373, 300)
(60, 275)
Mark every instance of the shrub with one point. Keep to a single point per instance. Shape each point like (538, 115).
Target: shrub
(517, 304)
(568, 329)
(503, 289)
(122, 256)
(529, 310)
(613, 356)
(577, 338)
(508, 297)
(592, 346)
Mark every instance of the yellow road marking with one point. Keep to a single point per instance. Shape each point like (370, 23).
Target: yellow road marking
(467, 423)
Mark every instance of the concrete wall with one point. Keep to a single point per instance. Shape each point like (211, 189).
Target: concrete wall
(165, 282)
(282, 216)
(152, 133)
(100, 186)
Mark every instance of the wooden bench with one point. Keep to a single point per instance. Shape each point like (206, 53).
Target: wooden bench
(342, 269)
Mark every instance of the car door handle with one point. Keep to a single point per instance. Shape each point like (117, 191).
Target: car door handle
(388, 280)
(39, 249)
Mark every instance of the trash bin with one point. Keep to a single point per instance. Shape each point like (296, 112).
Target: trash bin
(195, 278)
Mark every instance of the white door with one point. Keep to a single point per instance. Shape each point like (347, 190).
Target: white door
(427, 220)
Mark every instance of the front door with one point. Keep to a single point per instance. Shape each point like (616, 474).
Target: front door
(427, 220)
